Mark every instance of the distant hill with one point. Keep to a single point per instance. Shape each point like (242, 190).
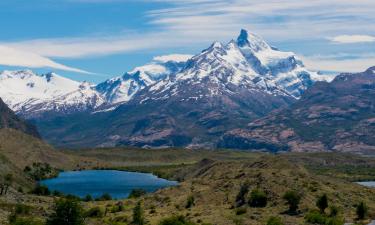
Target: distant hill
(8, 119)
(336, 116)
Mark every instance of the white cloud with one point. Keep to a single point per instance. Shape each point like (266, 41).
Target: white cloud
(330, 63)
(350, 39)
(173, 57)
(197, 22)
(13, 57)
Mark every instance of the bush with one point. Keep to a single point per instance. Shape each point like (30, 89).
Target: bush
(293, 199)
(361, 210)
(315, 217)
(40, 171)
(334, 211)
(176, 220)
(95, 212)
(240, 198)
(136, 193)
(322, 203)
(335, 221)
(104, 197)
(66, 212)
(258, 198)
(190, 202)
(88, 198)
(274, 221)
(117, 208)
(138, 214)
(22, 209)
(241, 210)
(41, 190)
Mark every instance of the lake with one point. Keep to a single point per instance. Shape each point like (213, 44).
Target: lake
(118, 184)
(367, 183)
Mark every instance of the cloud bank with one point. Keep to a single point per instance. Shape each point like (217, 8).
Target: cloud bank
(197, 22)
(14, 57)
(351, 39)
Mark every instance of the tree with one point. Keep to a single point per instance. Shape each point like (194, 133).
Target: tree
(322, 203)
(136, 193)
(258, 198)
(138, 214)
(88, 198)
(190, 202)
(240, 198)
(362, 210)
(66, 212)
(8, 181)
(293, 199)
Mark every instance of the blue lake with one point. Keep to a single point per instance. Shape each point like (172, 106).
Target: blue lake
(118, 184)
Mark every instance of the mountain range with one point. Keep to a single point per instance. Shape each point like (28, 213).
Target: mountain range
(243, 94)
(336, 116)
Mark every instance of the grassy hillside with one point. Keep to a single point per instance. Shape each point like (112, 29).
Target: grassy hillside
(18, 150)
(214, 185)
(211, 181)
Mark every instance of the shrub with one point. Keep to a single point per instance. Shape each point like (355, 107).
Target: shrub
(66, 212)
(41, 190)
(22, 209)
(335, 221)
(361, 210)
(104, 197)
(293, 199)
(274, 221)
(88, 198)
(95, 212)
(334, 211)
(240, 198)
(176, 220)
(241, 210)
(322, 203)
(117, 208)
(138, 214)
(190, 202)
(315, 217)
(258, 198)
(136, 193)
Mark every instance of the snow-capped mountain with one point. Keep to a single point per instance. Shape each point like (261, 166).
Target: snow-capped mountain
(122, 89)
(31, 95)
(192, 103)
(175, 100)
(248, 62)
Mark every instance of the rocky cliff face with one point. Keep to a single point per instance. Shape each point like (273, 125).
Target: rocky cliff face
(336, 116)
(9, 120)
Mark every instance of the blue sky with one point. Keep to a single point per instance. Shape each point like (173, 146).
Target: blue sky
(97, 39)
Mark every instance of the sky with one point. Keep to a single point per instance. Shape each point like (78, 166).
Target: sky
(94, 40)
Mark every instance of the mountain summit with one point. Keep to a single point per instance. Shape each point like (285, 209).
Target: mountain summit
(189, 102)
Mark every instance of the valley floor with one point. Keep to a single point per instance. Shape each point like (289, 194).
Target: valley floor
(210, 182)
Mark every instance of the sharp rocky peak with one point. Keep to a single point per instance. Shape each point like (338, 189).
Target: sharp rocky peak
(256, 43)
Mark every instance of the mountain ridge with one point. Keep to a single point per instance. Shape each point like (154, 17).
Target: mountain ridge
(336, 116)
(31, 95)
(214, 91)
